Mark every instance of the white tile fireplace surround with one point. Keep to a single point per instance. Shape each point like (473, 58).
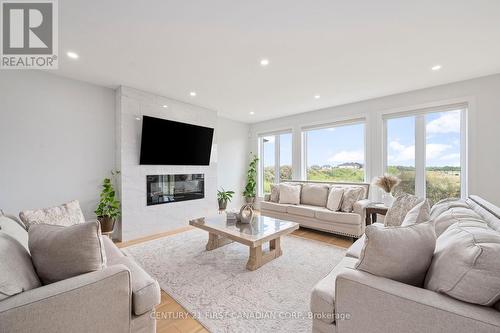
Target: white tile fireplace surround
(138, 219)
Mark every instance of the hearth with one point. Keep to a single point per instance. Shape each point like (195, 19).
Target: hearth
(162, 189)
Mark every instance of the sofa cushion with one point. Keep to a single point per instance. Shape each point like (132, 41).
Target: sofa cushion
(275, 193)
(466, 263)
(443, 205)
(454, 215)
(418, 214)
(302, 210)
(314, 194)
(14, 228)
(335, 196)
(17, 273)
(323, 293)
(399, 253)
(59, 252)
(145, 290)
(66, 214)
(267, 205)
(351, 195)
(338, 217)
(289, 194)
(401, 206)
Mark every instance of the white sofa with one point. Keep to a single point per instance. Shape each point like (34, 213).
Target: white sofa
(317, 216)
(350, 300)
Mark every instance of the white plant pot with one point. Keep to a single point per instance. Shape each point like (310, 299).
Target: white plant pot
(387, 199)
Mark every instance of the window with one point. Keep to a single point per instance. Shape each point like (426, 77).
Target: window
(275, 159)
(425, 151)
(336, 153)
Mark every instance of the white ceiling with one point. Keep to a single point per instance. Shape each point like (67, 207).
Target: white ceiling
(343, 50)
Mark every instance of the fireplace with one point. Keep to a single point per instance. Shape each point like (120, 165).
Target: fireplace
(162, 189)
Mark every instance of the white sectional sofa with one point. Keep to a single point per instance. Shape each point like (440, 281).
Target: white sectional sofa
(312, 211)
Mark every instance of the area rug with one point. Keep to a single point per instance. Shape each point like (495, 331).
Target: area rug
(215, 287)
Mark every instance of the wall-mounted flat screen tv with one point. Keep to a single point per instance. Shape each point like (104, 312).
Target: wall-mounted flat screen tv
(166, 142)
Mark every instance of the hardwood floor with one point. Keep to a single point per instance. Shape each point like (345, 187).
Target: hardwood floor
(173, 318)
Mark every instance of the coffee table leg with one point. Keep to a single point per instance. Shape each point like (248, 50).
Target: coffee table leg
(258, 258)
(215, 241)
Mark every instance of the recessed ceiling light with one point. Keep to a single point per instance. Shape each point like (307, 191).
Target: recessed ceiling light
(264, 62)
(317, 96)
(164, 106)
(192, 93)
(137, 118)
(436, 67)
(72, 55)
(251, 113)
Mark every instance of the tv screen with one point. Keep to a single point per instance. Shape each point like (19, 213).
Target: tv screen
(166, 142)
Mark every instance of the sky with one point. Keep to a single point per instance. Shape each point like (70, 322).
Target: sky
(343, 144)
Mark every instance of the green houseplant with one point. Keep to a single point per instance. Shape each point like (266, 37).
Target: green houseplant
(223, 197)
(108, 209)
(250, 188)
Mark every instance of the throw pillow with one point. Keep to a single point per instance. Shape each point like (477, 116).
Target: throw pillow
(351, 195)
(67, 214)
(275, 193)
(289, 194)
(335, 198)
(59, 252)
(314, 194)
(418, 214)
(465, 265)
(16, 269)
(398, 253)
(401, 206)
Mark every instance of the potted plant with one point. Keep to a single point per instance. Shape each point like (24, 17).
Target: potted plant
(223, 197)
(250, 188)
(387, 183)
(108, 209)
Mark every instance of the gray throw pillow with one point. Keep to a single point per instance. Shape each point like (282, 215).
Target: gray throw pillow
(351, 195)
(466, 263)
(418, 214)
(398, 253)
(59, 252)
(401, 206)
(17, 273)
(275, 193)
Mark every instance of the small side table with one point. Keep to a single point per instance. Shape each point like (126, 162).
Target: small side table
(372, 210)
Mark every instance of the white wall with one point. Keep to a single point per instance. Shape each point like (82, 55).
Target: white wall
(232, 153)
(56, 140)
(138, 219)
(482, 94)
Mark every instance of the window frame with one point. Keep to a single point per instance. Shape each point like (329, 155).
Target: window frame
(347, 122)
(421, 143)
(277, 158)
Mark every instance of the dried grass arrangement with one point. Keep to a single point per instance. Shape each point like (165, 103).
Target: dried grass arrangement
(387, 182)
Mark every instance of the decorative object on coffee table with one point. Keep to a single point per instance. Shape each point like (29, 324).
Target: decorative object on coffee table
(223, 197)
(372, 210)
(250, 189)
(108, 209)
(246, 213)
(260, 230)
(387, 183)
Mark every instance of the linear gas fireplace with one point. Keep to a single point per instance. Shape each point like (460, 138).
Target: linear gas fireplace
(174, 188)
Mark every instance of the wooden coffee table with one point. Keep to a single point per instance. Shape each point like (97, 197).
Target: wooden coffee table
(261, 230)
